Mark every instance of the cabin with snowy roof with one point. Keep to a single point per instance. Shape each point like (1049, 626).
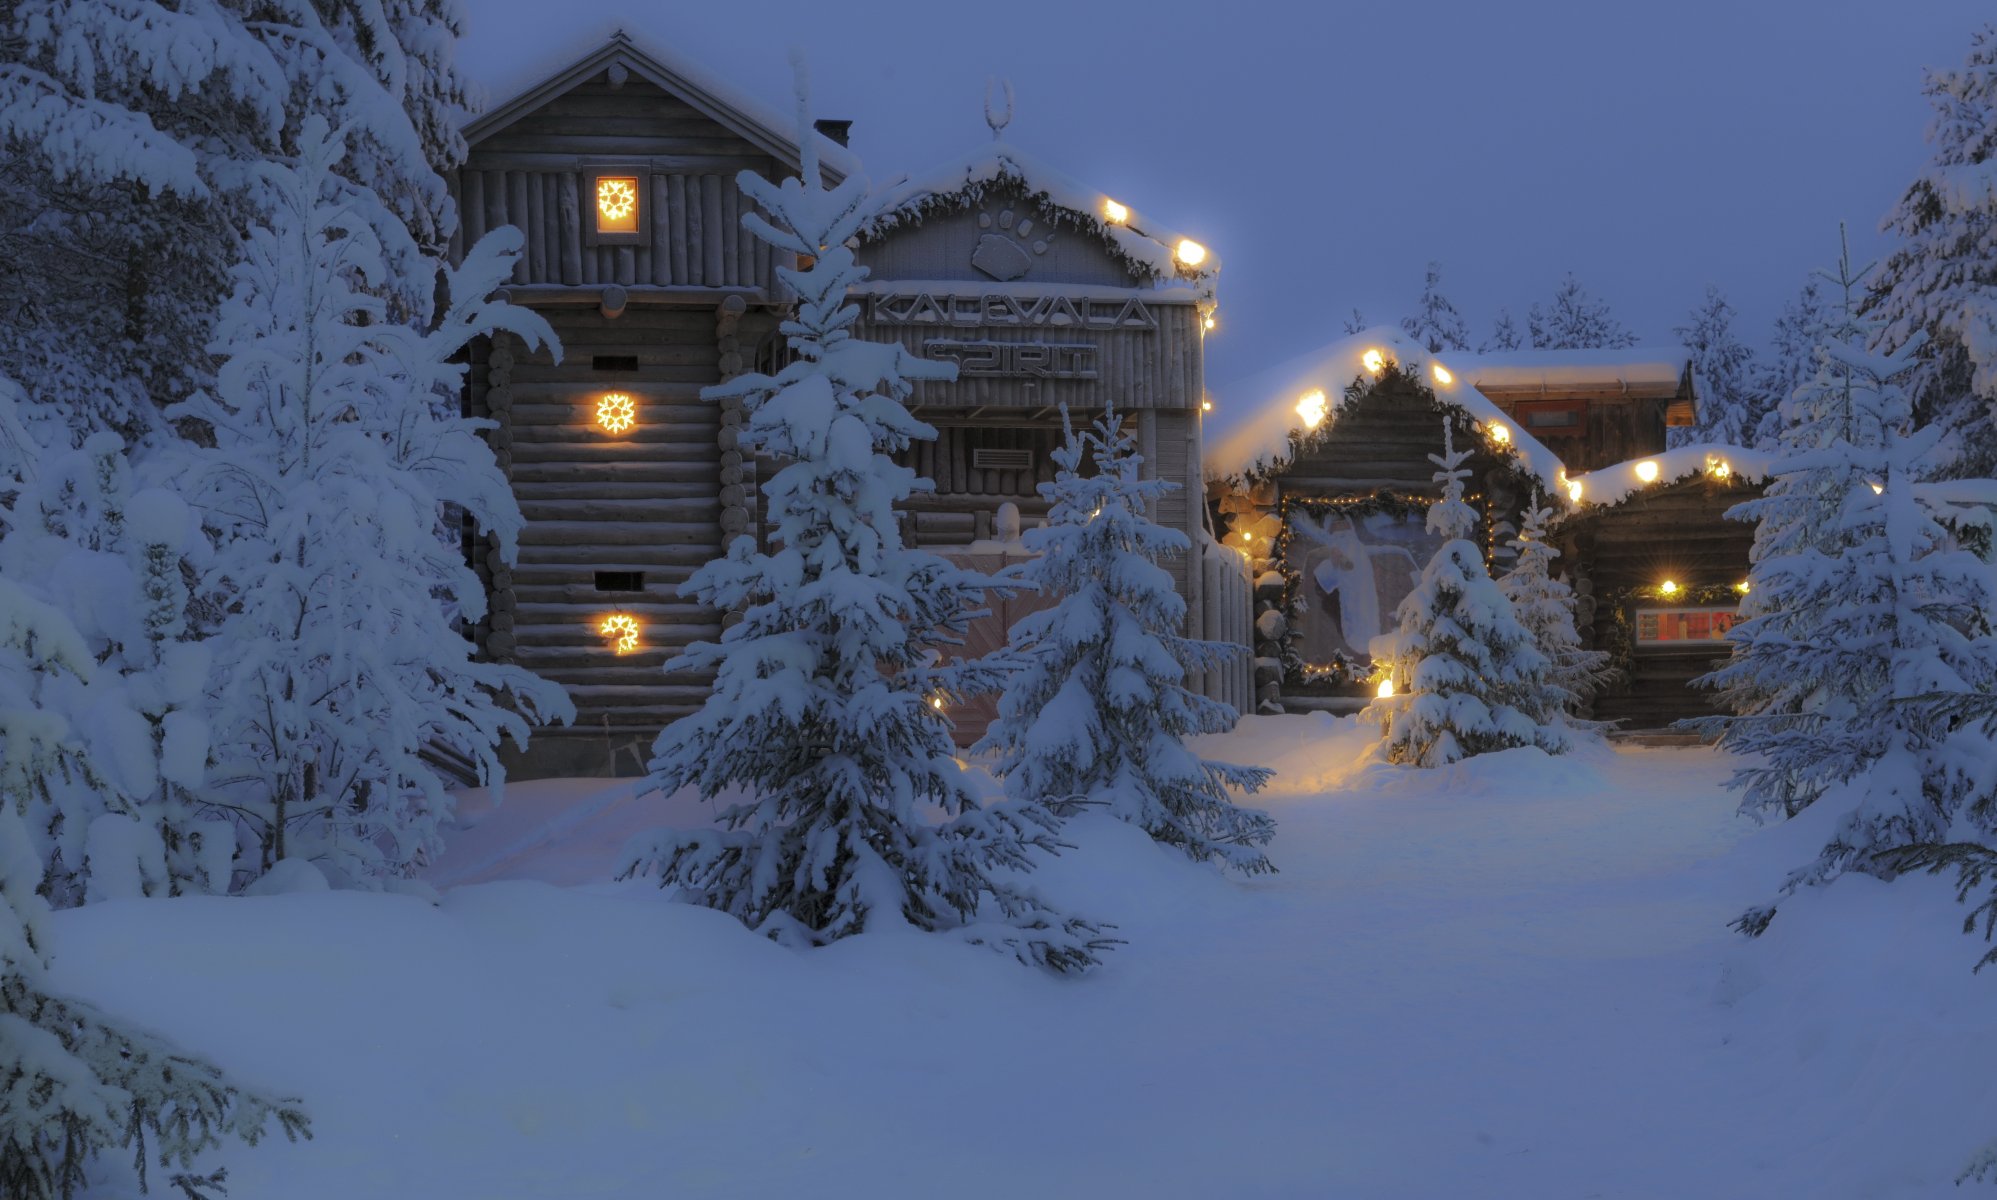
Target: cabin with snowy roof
(620, 171)
(1325, 480)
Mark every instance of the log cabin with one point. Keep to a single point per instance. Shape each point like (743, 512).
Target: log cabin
(620, 169)
(1328, 499)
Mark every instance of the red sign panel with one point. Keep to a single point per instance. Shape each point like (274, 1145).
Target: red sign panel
(1675, 626)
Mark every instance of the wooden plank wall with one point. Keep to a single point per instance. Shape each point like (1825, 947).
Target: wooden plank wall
(646, 501)
(533, 174)
(1677, 532)
(1228, 615)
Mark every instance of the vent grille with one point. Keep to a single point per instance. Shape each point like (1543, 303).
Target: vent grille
(1002, 460)
(614, 362)
(620, 581)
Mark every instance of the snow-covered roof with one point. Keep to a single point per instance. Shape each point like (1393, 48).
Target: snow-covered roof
(1613, 485)
(1144, 244)
(656, 62)
(1651, 370)
(1261, 441)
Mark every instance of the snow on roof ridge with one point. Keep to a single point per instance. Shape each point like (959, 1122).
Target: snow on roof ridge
(1133, 236)
(1614, 484)
(611, 33)
(1262, 443)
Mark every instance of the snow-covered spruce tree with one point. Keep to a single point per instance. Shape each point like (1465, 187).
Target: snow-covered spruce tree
(74, 1082)
(821, 706)
(1575, 320)
(1437, 325)
(1792, 365)
(1504, 335)
(1732, 404)
(1098, 709)
(1544, 605)
(127, 133)
(1469, 678)
(337, 447)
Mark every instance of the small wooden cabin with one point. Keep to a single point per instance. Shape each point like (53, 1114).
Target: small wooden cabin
(1591, 407)
(620, 169)
(1658, 571)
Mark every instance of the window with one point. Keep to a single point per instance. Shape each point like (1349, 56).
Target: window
(619, 210)
(620, 581)
(1554, 418)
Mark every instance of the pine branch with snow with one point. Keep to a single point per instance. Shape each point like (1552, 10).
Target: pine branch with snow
(821, 707)
(1470, 679)
(337, 446)
(1098, 709)
(1544, 605)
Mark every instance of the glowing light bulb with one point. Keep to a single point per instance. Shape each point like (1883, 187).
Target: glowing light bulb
(616, 412)
(622, 630)
(1206, 406)
(936, 702)
(1574, 490)
(1442, 374)
(1114, 213)
(1386, 688)
(1647, 470)
(1312, 408)
(1719, 468)
(1373, 361)
(1499, 433)
(1191, 252)
(1668, 588)
(1742, 587)
(1207, 322)
(1877, 488)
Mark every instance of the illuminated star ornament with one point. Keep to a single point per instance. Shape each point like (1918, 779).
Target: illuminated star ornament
(616, 199)
(616, 412)
(622, 630)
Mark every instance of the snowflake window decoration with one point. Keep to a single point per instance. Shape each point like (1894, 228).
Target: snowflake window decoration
(616, 412)
(616, 204)
(622, 630)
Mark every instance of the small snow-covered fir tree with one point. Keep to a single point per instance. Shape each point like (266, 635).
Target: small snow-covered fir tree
(1098, 708)
(1437, 325)
(340, 662)
(1731, 403)
(1504, 335)
(822, 706)
(74, 1082)
(1575, 320)
(1469, 678)
(1802, 325)
(1544, 605)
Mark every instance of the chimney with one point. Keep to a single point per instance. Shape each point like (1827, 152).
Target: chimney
(837, 131)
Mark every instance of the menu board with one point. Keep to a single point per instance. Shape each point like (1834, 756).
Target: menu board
(1676, 626)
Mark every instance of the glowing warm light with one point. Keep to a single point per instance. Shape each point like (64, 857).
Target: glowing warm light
(1742, 587)
(622, 630)
(1719, 468)
(1207, 324)
(1574, 490)
(1878, 488)
(1668, 588)
(616, 412)
(1312, 408)
(1206, 406)
(1191, 252)
(1442, 375)
(1499, 433)
(1373, 361)
(1386, 688)
(936, 702)
(1647, 470)
(1114, 213)
(617, 204)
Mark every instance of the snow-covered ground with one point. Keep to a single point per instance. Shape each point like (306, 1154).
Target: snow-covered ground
(1510, 978)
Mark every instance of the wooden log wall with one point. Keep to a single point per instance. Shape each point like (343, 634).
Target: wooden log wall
(1228, 615)
(534, 174)
(1679, 532)
(1616, 431)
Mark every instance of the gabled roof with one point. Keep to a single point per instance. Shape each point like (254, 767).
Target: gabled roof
(1261, 441)
(1656, 372)
(714, 98)
(1615, 484)
(1148, 248)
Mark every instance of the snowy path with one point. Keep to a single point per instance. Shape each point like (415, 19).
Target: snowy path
(1506, 980)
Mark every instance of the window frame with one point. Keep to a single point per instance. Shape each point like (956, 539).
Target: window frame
(594, 173)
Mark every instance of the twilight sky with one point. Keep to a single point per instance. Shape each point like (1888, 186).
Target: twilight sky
(1327, 150)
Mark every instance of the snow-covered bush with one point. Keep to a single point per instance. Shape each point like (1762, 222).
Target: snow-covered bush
(1544, 605)
(1097, 709)
(822, 700)
(337, 444)
(1468, 677)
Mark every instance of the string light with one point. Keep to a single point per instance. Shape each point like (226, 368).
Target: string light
(1718, 467)
(1373, 361)
(1114, 213)
(1574, 490)
(1386, 688)
(1206, 406)
(1878, 489)
(1742, 587)
(1207, 323)
(1442, 374)
(1668, 588)
(1312, 407)
(1191, 252)
(1647, 470)
(1499, 433)
(616, 412)
(622, 630)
